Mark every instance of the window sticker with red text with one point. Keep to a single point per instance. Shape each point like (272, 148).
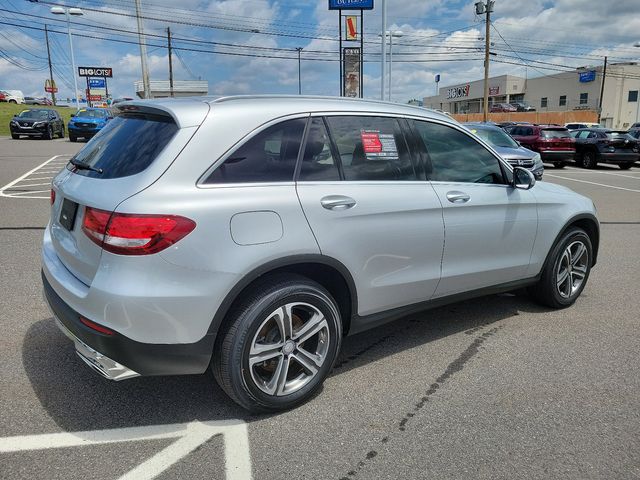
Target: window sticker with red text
(378, 145)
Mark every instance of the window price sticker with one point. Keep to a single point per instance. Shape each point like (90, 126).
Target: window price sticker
(378, 145)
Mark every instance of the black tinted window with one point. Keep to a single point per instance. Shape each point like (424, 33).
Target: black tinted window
(456, 157)
(126, 146)
(318, 162)
(372, 148)
(555, 133)
(270, 156)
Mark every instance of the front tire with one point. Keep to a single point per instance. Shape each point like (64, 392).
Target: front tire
(625, 166)
(15, 137)
(559, 164)
(49, 134)
(589, 160)
(279, 345)
(62, 132)
(567, 270)
(73, 138)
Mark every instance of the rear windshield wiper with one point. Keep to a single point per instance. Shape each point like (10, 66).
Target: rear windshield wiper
(84, 166)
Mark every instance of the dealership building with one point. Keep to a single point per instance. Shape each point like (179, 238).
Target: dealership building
(572, 90)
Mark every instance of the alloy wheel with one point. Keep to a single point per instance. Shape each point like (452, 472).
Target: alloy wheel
(289, 348)
(572, 269)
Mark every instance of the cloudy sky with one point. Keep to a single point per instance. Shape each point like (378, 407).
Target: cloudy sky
(248, 46)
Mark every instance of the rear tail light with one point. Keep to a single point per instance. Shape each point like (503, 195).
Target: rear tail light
(131, 234)
(53, 196)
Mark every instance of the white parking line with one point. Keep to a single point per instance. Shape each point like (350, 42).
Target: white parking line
(628, 175)
(47, 168)
(189, 437)
(593, 183)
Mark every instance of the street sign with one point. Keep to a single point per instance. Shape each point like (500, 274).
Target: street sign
(589, 76)
(350, 4)
(95, 72)
(50, 86)
(351, 22)
(351, 72)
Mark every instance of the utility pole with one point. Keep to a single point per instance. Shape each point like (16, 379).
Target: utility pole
(486, 8)
(143, 53)
(299, 49)
(53, 94)
(384, 48)
(170, 62)
(604, 76)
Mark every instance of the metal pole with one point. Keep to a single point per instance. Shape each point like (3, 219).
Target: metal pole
(143, 53)
(53, 94)
(384, 48)
(390, 60)
(361, 53)
(604, 76)
(340, 47)
(299, 49)
(486, 63)
(73, 60)
(170, 63)
(88, 93)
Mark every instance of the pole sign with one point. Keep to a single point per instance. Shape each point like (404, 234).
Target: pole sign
(350, 4)
(438, 78)
(50, 86)
(351, 25)
(97, 83)
(352, 79)
(95, 72)
(589, 76)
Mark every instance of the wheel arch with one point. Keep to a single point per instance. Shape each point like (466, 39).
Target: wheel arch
(587, 222)
(327, 271)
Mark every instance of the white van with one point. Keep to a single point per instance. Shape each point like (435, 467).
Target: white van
(14, 96)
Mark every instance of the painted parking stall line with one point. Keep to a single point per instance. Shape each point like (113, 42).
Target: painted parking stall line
(30, 185)
(592, 183)
(189, 436)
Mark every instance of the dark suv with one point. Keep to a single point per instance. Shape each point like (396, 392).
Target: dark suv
(553, 143)
(37, 122)
(597, 145)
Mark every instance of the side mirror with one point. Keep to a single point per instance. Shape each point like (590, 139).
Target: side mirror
(523, 178)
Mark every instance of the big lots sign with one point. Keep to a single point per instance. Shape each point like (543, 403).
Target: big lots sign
(459, 92)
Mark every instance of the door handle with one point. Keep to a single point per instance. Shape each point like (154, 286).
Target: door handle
(337, 202)
(457, 197)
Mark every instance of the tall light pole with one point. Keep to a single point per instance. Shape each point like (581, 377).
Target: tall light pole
(143, 54)
(384, 48)
(299, 49)
(67, 12)
(391, 34)
(486, 9)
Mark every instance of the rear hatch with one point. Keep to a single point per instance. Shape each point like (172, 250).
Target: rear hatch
(126, 156)
(622, 142)
(556, 139)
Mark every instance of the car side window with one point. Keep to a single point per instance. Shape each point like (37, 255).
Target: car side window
(318, 162)
(592, 135)
(269, 156)
(456, 157)
(372, 148)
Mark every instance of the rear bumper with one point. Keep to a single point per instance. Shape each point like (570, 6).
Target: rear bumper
(117, 357)
(554, 156)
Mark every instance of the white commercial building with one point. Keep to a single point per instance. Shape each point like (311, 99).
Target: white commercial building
(181, 88)
(573, 90)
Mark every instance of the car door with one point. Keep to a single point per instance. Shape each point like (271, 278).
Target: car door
(490, 227)
(371, 208)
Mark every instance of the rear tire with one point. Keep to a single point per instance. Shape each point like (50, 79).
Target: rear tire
(279, 345)
(589, 160)
(566, 272)
(559, 164)
(625, 166)
(73, 138)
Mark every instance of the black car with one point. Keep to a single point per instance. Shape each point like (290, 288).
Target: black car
(37, 122)
(523, 107)
(598, 145)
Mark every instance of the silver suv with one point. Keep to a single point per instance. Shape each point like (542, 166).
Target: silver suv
(253, 233)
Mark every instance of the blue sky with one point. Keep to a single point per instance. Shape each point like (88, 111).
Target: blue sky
(530, 37)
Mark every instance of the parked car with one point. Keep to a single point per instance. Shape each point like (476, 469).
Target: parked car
(576, 126)
(253, 234)
(86, 122)
(553, 143)
(13, 96)
(120, 100)
(523, 107)
(502, 107)
(634, 132)
(598, 145)
(37, 122)
(37, 101)
(3, 96)
(508, 148)
(635, 125)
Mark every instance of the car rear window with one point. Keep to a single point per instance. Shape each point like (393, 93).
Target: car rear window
(126, 146)
(555, 133)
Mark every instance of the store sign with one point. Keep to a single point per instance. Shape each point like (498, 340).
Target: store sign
(589, 76)
(95, 72)
(494, 90)
(351, 25)
(50, 86)
(350, 4)
(351, 72)
(97, 83)
(458, 92)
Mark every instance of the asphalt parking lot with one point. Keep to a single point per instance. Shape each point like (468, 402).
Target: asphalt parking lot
(496, 387)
